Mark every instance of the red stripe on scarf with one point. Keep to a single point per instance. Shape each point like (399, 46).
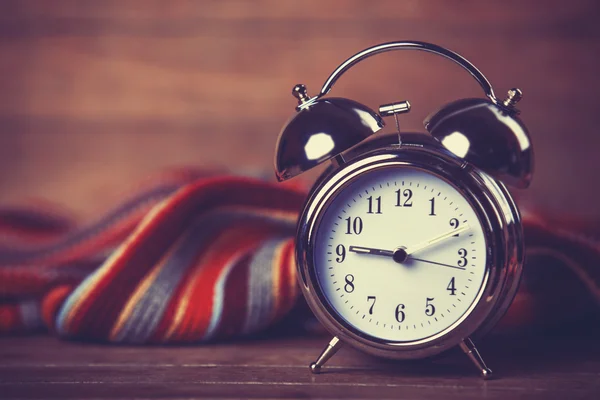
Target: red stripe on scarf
(10, 319)
(287, 280)
(234, 300)
(245, 237)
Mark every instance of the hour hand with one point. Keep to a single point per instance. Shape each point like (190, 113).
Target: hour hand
(370, 250)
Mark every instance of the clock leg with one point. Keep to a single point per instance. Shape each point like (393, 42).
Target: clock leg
(471, 351)
(332, 348)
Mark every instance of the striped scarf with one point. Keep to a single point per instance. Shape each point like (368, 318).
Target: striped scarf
(192, 257)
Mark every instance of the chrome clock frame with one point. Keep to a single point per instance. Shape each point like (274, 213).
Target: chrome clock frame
(494, 207)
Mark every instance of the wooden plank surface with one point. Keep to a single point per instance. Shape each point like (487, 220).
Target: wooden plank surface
(95, 96)
(552, 367)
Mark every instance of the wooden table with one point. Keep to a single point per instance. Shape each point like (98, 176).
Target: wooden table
(561, 367)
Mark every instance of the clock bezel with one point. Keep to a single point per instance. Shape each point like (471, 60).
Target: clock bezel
(499, 219)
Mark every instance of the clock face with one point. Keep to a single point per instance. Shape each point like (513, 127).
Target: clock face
(400, 254)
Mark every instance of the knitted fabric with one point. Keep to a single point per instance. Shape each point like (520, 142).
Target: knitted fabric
(191, 258)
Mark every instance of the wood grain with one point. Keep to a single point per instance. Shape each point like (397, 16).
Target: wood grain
(96, 96)
(42, 367)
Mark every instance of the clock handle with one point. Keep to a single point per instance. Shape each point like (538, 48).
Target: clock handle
(410, 45)
(334, 125)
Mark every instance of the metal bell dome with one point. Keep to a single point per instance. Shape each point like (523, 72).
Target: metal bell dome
(321, 129)
(487, 136)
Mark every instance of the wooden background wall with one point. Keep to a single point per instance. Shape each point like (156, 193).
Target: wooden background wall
(96, 95)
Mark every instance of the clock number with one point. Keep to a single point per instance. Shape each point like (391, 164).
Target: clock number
(399, 313)
(462, 261)
(369, 298)
(429, 308)
(377, 203)
(355, 226)
(432, 201)
(340, 250)
(407, 194)
(454, 223)
(451, 288)
(349, 286)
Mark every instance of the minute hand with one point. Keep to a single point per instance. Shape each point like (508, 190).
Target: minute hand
(435, 240)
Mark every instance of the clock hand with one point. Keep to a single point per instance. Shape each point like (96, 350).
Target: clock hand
(437, 263)
(435, 240)
(398, 254)
(401, 254)
(369, 250)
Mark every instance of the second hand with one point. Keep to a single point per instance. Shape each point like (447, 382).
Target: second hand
(436, 263)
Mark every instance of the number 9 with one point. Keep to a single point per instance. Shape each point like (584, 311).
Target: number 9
(340, 250)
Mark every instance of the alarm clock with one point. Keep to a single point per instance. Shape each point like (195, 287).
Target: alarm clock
(408, 244)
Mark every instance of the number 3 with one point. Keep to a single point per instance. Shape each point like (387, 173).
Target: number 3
(462, 253)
